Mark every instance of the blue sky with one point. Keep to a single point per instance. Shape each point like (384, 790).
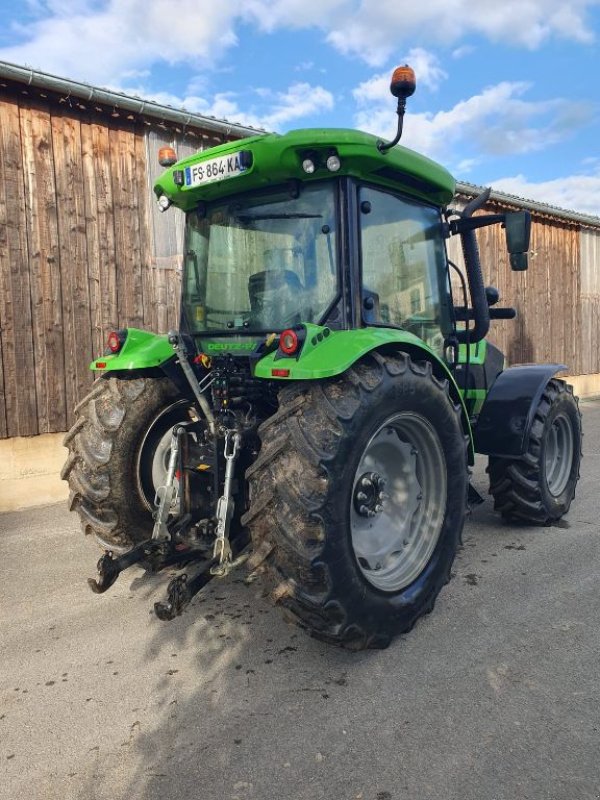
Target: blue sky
(508, 93)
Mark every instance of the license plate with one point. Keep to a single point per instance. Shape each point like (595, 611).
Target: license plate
(215, 169)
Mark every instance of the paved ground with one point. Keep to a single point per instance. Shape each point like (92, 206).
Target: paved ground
(495, 695)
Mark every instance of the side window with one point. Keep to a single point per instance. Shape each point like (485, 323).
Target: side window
(404, 265)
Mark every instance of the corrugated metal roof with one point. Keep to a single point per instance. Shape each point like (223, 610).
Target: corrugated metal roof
(137, 105)
(543, 209)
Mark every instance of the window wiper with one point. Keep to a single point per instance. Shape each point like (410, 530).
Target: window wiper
(253, 217)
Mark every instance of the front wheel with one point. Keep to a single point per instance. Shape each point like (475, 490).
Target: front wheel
(539, 487)
(358, 499)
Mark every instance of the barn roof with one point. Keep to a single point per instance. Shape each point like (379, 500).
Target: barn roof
(505, 199)
(118, 100)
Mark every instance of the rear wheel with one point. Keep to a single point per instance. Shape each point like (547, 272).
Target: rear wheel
(539, 487)
(358, 498)
(118, 451)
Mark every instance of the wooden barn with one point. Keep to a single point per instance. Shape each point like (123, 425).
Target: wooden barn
(84, 250)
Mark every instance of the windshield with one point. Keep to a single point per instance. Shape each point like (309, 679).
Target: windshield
(261, 264)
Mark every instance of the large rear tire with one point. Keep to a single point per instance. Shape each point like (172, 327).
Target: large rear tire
(118, 447)
(539, 487)
(348, 571)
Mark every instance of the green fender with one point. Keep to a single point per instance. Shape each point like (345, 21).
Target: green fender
(141, 350)
(326, 353)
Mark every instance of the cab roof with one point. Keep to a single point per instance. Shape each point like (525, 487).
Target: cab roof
(273, 159)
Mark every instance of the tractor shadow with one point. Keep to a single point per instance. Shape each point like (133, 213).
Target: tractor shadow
(240, 702)
(239, 678)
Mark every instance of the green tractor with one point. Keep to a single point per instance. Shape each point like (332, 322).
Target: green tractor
(318, 412)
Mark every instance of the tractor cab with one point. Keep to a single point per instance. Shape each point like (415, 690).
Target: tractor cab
(331, 228)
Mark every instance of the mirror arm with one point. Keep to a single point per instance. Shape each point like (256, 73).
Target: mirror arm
(463, 224)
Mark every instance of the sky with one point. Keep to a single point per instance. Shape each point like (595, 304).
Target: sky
(508, 91)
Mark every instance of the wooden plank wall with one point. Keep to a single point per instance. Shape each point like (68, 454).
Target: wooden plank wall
(82, 250)
(590, 301)
(19, 398)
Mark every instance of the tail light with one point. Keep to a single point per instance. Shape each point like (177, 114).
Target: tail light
(116, 340)
(288, 342)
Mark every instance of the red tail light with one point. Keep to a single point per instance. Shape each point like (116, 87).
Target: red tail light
(116, 340)
(288, 342)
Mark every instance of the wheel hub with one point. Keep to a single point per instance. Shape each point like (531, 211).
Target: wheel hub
(369, 495)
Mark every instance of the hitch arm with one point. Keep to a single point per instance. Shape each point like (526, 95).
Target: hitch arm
(109, 568)
(155, 555)
(180, 592)
(182, 589)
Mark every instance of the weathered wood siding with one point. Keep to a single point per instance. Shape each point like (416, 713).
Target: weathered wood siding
(589, 308)
(83, 249)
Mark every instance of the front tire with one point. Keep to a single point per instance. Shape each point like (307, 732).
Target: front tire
(308, 518)
(117, 449)
(539, 487)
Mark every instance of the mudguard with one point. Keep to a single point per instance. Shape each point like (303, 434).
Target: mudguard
(326, 353)
(506, 417)
(140, 350)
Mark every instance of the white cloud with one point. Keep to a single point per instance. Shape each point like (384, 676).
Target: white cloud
(276, 111)
(462, 51)
(373, 28)
(300, 100)
(574, 192)
(427, 67)
(100, 42)
(495, 122)
(273, 14)
(377, 89)
(466, 165)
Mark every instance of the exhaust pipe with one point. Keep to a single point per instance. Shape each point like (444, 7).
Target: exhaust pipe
(481, 310)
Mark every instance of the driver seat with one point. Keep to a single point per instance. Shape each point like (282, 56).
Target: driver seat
(273, 280)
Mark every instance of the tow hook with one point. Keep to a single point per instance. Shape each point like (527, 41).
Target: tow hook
(156, 554)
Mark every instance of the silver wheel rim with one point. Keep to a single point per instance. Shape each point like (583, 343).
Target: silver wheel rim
(398, 501)
(559, 454)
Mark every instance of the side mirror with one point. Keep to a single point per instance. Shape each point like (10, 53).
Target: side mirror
(518, 231)
(518, 262)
